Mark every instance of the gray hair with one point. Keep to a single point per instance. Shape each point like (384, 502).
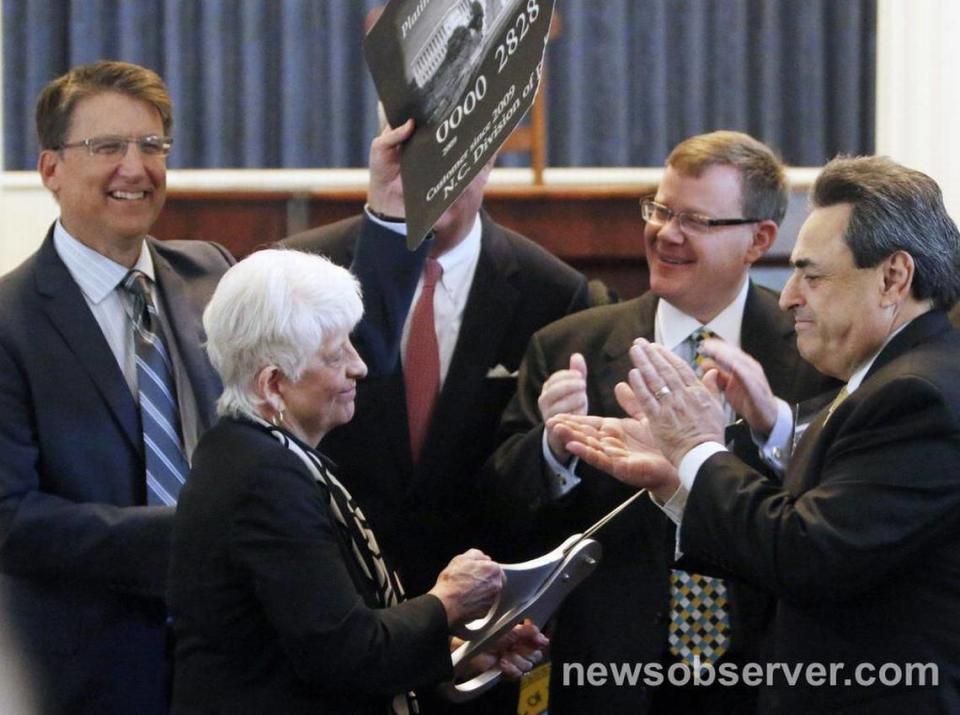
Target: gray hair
(275, 307)
(895, 209)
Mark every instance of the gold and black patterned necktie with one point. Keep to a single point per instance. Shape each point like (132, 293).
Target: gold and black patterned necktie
(699, 615)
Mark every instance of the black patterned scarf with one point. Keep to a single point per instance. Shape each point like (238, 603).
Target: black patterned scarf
(355, 529)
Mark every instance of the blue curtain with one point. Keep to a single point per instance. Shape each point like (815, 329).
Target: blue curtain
(255, 83)
(630, 78)
(283, 83)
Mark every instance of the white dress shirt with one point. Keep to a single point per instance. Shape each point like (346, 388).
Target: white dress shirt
(450, 296)
(100, 279)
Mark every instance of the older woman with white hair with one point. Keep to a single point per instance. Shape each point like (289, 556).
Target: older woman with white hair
(281, 600)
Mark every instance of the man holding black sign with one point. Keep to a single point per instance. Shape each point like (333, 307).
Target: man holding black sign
(716, 212)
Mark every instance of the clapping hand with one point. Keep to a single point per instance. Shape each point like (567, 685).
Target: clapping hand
(621, 447)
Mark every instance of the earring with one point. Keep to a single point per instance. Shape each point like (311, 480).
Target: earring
(277, 419)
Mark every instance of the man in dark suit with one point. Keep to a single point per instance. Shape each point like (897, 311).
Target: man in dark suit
(83, 558)
(716, 212)
(860, 541)
(421, 508)
(497, 288)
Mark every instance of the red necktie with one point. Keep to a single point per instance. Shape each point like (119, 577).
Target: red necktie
(421, 362)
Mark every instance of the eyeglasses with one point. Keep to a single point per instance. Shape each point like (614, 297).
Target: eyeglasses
(114, 147)
(690, 222)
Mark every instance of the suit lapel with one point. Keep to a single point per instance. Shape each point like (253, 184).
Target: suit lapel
(490, 307)
(637, 322)
(67, 310)
(186, 329)
(389, 274)
(799, 477)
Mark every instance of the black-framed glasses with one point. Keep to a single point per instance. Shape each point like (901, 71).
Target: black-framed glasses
(690, 221)
(115, 147)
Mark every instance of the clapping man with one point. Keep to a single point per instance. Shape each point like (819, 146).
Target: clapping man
(716, 212)
(860, 541)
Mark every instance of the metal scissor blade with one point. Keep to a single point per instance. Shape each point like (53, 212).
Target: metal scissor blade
(603, 521)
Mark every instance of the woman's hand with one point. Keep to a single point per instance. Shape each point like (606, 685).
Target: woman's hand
(468, 586)
(516, 652)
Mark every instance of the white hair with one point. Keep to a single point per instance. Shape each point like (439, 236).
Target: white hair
(275, 307)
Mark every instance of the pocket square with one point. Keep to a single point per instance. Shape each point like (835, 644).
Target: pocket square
(500, 372)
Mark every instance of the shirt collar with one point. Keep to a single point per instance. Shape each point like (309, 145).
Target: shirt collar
(95, 274)
(461, 257)
(861, 372)
(673, 326)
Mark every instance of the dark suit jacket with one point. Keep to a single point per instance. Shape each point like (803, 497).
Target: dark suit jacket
(271, 613)
(861, 544)
(424, 515)
(620, 614)
(82, 561)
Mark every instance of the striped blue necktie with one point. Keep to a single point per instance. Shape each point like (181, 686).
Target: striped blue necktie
(159, 413)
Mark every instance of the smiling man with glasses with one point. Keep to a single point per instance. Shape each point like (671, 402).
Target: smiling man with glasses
(715, 213)
(104, 391)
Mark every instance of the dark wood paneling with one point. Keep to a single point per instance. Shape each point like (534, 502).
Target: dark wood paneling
(330, 206)
(597, 229)
(242, 222)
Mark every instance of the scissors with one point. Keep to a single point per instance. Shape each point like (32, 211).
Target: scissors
(532, 590)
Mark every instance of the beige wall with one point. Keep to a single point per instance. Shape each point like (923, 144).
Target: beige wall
(918, 95)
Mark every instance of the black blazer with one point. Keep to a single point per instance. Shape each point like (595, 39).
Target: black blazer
(621, 613)
(271, 614)
(82, 560)
(425, 515)
(861, 544)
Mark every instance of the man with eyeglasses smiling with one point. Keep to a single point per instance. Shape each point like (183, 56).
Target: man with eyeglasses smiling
(715, 213)
(104, 391)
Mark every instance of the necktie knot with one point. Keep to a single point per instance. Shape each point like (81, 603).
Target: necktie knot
(432, 271)
(696, 339)
(841, 396)
(138, 286)
(702, 333)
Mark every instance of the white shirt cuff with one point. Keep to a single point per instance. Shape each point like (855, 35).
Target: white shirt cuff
(689, 466)
(394, 226)
(675, 505)
(562, 477)
(775, 451)
(694, 459)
